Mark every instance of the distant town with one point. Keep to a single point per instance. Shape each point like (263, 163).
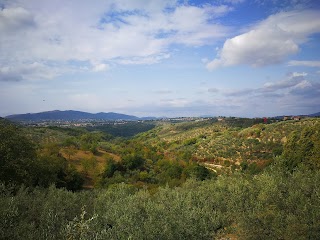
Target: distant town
(101, 122)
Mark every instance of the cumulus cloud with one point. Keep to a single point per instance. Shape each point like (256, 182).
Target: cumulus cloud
(15, 19)
(29, 71)
(299, 74)
(117, 31)
(292, 82)
(307, 89)
(294, 94)
(269, 42)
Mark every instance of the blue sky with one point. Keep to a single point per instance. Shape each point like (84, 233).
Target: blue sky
(160, 58)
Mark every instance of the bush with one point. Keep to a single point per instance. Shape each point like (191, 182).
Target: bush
(17, 155)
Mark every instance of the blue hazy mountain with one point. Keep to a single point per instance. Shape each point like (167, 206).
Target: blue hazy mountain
(69, 115)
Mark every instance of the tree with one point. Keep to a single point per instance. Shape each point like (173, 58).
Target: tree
(133, 161)
(17, 155)
(303, 146)
(201, 173)
(89, 141)
(110, 168)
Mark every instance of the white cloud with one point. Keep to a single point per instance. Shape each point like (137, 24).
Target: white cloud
(280, 85)
(143, 60)
(100, 67)
(15, 19)
(293, 94)
(279, 88)
(29, 71)
(269, 42)
(304, 63)
(299, 74)
(272, 89)
(303, 85)
(120, 32)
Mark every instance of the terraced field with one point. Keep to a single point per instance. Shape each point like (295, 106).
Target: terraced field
(225, 143)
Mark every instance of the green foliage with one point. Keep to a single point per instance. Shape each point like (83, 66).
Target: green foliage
(278, 205)
(153, 188)
(274, 204)
(74, 132)
(133, 161)
(127, 129)
(39, 213)
(17, 155)
(89, 141)
(20, 163)
(201, 173)
(56, 170)
(303, 146)
(71, 142)
(190, 141)
(110, 168)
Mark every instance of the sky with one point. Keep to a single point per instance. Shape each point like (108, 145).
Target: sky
(244, 58)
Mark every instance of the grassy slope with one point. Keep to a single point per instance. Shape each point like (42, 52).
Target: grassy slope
(85, 162)
(91, 165)
(224, 143)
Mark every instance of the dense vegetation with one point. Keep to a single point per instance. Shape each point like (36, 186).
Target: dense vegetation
(157, 185)
(123, 129)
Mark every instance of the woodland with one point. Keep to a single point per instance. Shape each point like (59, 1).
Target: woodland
(206, 179)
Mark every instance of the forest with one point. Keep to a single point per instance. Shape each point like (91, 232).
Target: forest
(232, 179)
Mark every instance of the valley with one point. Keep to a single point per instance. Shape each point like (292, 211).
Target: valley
(210, 179)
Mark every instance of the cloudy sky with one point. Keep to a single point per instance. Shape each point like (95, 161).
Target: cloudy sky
(160, 57)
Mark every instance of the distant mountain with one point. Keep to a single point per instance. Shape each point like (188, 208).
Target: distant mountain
(149, 118)
(69, 115)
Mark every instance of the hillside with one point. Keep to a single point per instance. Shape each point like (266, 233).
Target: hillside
(221, 146)
(229, 143)
(263, 181)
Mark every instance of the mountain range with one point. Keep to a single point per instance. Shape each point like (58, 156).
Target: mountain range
(69, 115)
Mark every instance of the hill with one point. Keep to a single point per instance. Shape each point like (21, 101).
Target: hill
(69, 115)
(226, 145)
(307, 115)
(222, 146)
(280, 202)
